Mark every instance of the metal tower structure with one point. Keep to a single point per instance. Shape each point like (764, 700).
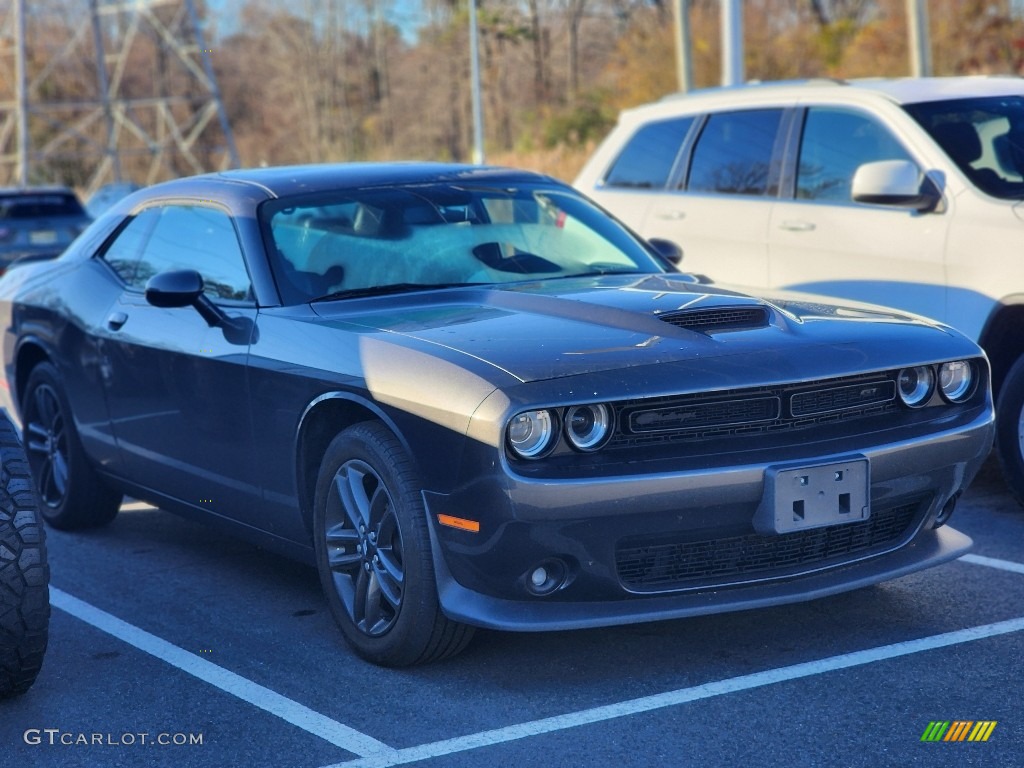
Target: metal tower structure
(98, 91)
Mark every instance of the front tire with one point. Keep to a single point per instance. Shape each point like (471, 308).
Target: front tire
(24, 573)
(373, 552)
(71, 494)
(1010, 429)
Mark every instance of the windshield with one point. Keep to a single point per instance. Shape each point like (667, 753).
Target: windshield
(375, 241)
(983, 136)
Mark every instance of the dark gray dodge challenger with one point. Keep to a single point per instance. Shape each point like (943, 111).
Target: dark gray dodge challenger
(473, 399)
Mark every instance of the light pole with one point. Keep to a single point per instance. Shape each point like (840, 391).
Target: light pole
(474, 64)
(21, 92)
(732, 42)
(918, 40)
(684, 64)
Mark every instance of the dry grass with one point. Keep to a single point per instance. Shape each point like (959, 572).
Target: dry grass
(562, 162)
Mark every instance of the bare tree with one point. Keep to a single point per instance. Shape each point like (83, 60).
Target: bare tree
(574, 10)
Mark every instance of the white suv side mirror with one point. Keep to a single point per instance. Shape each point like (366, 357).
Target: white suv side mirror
(898, 183)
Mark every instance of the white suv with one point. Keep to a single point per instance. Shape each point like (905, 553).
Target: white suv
(907, 193)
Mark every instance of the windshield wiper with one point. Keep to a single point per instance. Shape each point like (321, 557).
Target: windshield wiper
(382, 290)
(601, 271)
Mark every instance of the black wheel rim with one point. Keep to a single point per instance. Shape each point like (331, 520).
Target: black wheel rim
(364, 548)
(46, 440)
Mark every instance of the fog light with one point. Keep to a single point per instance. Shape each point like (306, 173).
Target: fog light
(546, 577)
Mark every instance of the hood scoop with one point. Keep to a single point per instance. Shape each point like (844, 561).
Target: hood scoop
(718, 319)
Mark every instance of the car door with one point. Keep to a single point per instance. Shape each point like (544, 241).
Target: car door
(720, 210)
(638, 176)
(823, 242)
(176, 386)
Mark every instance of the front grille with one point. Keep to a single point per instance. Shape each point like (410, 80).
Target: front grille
(752, 411)
(655, 564)
(840, 398)
(716, 413)
(718, 319)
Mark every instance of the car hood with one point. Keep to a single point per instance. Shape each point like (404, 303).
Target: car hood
(556, 328)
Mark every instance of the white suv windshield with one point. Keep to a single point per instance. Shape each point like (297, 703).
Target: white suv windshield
(983, 136)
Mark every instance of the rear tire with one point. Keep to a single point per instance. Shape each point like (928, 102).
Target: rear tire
(1010, 429)
(71, 493)
(373, 552)
(24, 574)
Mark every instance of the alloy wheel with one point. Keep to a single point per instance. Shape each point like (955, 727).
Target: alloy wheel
(364, 547)
(47, 444)
(1020, 432)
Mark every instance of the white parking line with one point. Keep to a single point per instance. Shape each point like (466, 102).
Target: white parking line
(312, 722)
(991, 562)
(682, 696)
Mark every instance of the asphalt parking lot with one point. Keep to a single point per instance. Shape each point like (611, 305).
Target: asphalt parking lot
(172, 645)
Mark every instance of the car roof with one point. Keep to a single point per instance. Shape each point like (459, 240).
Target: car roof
(285, 181)
(38, 190)
(903, 90)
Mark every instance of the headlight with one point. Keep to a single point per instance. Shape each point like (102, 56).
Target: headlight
(587, 427)
(531, 434)
(916, 385)
(956, 380)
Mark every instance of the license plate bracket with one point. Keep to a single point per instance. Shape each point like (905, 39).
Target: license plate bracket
(802, 497)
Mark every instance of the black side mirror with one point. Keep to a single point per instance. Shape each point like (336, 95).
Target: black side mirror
(666, 250)
(177, 288)
(184, 288)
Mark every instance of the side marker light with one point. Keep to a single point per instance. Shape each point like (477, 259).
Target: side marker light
(459, 522)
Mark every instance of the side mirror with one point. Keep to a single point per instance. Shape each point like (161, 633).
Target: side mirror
(184, 288)
(667, 250)
(172, 289)
(897, 183)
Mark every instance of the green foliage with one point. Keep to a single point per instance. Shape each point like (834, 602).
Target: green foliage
(588, 121)
(835, 38)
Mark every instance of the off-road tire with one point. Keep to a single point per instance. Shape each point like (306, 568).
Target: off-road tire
(24, 573)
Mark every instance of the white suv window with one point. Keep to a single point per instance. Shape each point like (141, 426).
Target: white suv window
(647, 159)
(734, 153)
(835, 142)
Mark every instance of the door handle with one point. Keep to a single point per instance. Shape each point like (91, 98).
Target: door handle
(798, 226)
(671, 215)
(115, 320)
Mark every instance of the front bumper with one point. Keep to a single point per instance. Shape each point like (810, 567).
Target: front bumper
(586, 525)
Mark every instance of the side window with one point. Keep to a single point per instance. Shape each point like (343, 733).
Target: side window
(123, 253)
(199, 238)
(647, 159)
(734, 153)
(835, 143)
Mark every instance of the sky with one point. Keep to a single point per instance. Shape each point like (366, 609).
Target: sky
(407, 14)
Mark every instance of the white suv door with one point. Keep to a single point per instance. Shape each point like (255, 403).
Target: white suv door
(821, 241)
(731, 180)
(726, 164)
(646, 164)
